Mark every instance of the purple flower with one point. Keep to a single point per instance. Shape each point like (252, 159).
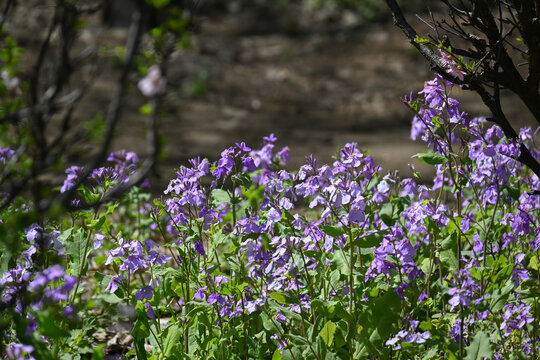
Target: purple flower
(98, 241)
(279, 316)
(216, 298)
(433, 93)
(515, 317)
(283, 155)
(418, 338)
(133, 262)
(144, 293)
(53, 273)
(199, 294)
(73, 173)
(423, 296)
(282, 344)
(17, 351)
(460, 297)
(521, 223)
(5, 154)
(70, 311)
(270, 139)
(150, 313)
(199, 248)
(452, 68)
(114, 283)
(519, 274)
(243, 147)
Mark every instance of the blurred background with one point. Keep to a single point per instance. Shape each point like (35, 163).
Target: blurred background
(316, 73)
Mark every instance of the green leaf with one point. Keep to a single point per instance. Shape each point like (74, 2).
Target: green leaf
(480, 347)
(99, 352)
(158, 4)
(370, 240)
(387, 214)
(431, 157)
(432, 353)
(334, 278)
(145, 109)
(280, 298)
(291, 353)
(49, 326)
(500, 297)
(533, 263)
(327, 333)
(141, 330)
(139, 343)
(449, 258)
(98, 223)
(174, 333)
(75, 251)
(421, 40)
(220, 196)
(333, 230)
(379, 320)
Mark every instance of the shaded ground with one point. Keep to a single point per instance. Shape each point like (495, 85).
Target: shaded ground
(315, 91)
(315, 88)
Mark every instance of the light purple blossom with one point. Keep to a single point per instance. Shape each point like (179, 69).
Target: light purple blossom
(114, 283)
(153, 83)
(144, 293)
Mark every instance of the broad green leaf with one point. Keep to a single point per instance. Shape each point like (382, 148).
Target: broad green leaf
(431, 157)
(220, 196)
(370, 240)
(75, 250)
(98, 223)
(500, 297)
(141, 330)
(298, 340)
(341, 262)
(480, 347)
(432, 353)
(533, 263)
(387, 214)
(49, 326)
(291, 353)
(280, 298)
(379, 320)
(139, 343)
(327, 333)
(335, 276)
(449, 259)
(333, 230)
(174, 333)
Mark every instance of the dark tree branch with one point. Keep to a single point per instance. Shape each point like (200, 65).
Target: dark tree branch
(480, 17)
(7, 8)
(152, 146)
(113, 112)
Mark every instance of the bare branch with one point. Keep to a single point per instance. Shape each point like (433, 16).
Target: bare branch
(481, 18)
(113, 112)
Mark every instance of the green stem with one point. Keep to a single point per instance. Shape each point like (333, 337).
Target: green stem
(83, 261)
(352, 259)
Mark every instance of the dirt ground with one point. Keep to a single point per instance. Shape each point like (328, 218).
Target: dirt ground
(315, 88)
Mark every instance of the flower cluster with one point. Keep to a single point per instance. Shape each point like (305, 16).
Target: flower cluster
(123, 164)
(338, 258)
